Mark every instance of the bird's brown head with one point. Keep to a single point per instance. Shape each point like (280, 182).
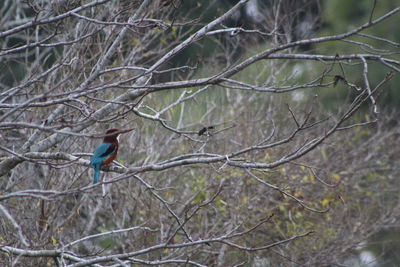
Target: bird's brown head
(113, 133)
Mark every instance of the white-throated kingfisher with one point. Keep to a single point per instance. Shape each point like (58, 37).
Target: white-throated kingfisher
(106, 152)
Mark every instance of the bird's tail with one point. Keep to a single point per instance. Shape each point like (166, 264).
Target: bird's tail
(96, 174)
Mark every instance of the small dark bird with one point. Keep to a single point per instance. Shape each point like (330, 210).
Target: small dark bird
(204, 130)
(338, 78)
(106, 152)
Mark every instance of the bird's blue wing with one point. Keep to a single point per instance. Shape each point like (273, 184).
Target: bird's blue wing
(102, 152)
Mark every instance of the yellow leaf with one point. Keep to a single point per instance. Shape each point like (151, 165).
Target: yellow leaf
(325, 202)
(53, 240)
(163, 41)
(135, 41)
(336, 176)
(324, 155)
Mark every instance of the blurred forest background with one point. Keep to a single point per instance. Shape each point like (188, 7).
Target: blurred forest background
(255, 143)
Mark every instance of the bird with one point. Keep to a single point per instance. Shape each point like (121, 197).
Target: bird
(106, 152)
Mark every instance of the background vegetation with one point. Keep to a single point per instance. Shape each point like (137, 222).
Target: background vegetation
(265, 132)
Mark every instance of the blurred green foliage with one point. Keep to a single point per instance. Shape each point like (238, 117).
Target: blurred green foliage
(343, 15)
(290, 218)
(337, 16)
